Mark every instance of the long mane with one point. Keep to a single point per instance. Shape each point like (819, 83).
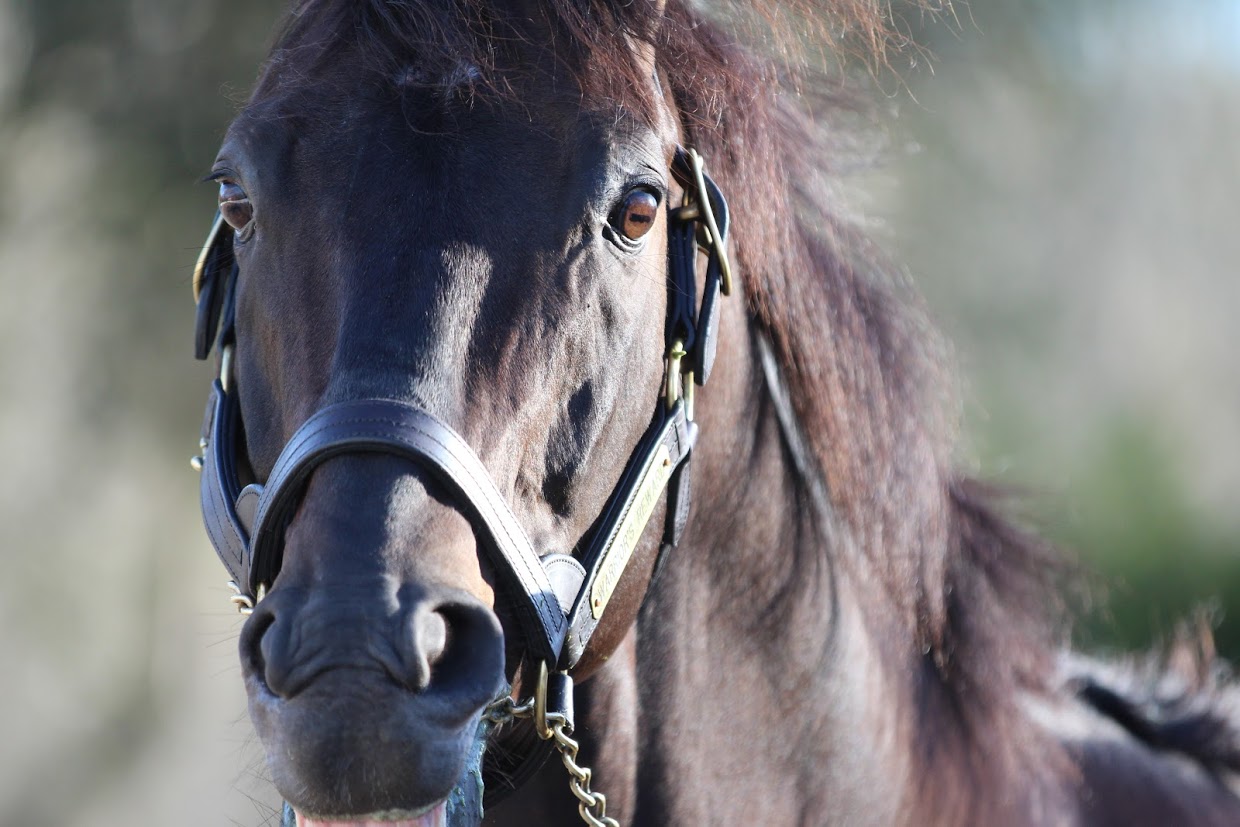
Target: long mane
(966, 595)
(963, 593)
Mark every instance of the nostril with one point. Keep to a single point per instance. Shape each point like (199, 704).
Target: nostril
(470, 661)
(448, 645)
(255, 642)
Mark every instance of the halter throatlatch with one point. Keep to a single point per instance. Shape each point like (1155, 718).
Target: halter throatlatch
(559, 599)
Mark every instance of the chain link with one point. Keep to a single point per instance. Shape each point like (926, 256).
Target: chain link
(591, 806)
(505, 710)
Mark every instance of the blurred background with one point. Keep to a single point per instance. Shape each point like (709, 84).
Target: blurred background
(1061, 180)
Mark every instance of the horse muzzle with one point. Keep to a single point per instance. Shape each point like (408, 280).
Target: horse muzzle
(364, 712)
(366, 673)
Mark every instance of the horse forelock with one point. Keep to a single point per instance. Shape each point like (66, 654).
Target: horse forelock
(462, 43)
(472, 47)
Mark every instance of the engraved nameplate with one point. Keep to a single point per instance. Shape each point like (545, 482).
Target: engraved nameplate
(624, 541)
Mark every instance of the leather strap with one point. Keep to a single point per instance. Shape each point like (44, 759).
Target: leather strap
(698, 330)
(609, 552)
(215, 266)
(682, 282)
(219, 488)
(392, 427)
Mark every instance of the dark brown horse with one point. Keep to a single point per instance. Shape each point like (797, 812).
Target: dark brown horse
(463, 313)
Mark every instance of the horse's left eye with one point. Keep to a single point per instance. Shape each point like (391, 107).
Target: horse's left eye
(636, 214)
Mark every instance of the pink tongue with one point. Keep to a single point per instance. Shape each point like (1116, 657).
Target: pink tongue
(436, 817)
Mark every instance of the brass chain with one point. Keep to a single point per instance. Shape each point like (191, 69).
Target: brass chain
(591, 805)
(505, 709)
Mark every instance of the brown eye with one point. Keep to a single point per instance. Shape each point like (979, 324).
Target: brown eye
(235, 206)
(637, 214)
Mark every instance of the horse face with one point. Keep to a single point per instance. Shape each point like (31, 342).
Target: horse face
(501, 264)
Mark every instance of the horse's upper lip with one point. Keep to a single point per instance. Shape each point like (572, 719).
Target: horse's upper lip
(432, 816)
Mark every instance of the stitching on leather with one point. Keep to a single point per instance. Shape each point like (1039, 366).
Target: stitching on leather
(219, 503)
(294, 459)
(222, 526)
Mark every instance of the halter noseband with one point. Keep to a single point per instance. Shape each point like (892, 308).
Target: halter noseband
(559, 599)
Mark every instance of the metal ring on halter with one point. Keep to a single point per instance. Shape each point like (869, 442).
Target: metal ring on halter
(242, 600)
(540, 704)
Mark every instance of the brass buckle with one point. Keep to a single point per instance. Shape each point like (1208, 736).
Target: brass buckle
(705, 212)
(672, 383)
(678, 385)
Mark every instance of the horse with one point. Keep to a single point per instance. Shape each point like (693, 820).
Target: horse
(562, 412)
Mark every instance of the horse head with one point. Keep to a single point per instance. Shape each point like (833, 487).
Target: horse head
(444, 318)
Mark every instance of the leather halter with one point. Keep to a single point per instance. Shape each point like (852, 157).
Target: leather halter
(559, 600)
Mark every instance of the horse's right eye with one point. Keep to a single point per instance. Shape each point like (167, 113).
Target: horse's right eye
(235, 205)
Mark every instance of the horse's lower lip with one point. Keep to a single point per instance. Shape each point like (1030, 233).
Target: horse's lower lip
(436, 816)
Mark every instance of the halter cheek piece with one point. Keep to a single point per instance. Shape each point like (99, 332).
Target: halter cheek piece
(559, 599)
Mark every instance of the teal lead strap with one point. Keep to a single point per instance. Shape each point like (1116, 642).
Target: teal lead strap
(465, 800)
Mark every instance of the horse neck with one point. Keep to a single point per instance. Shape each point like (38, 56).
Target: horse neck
(767, 670)
(755, 681)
